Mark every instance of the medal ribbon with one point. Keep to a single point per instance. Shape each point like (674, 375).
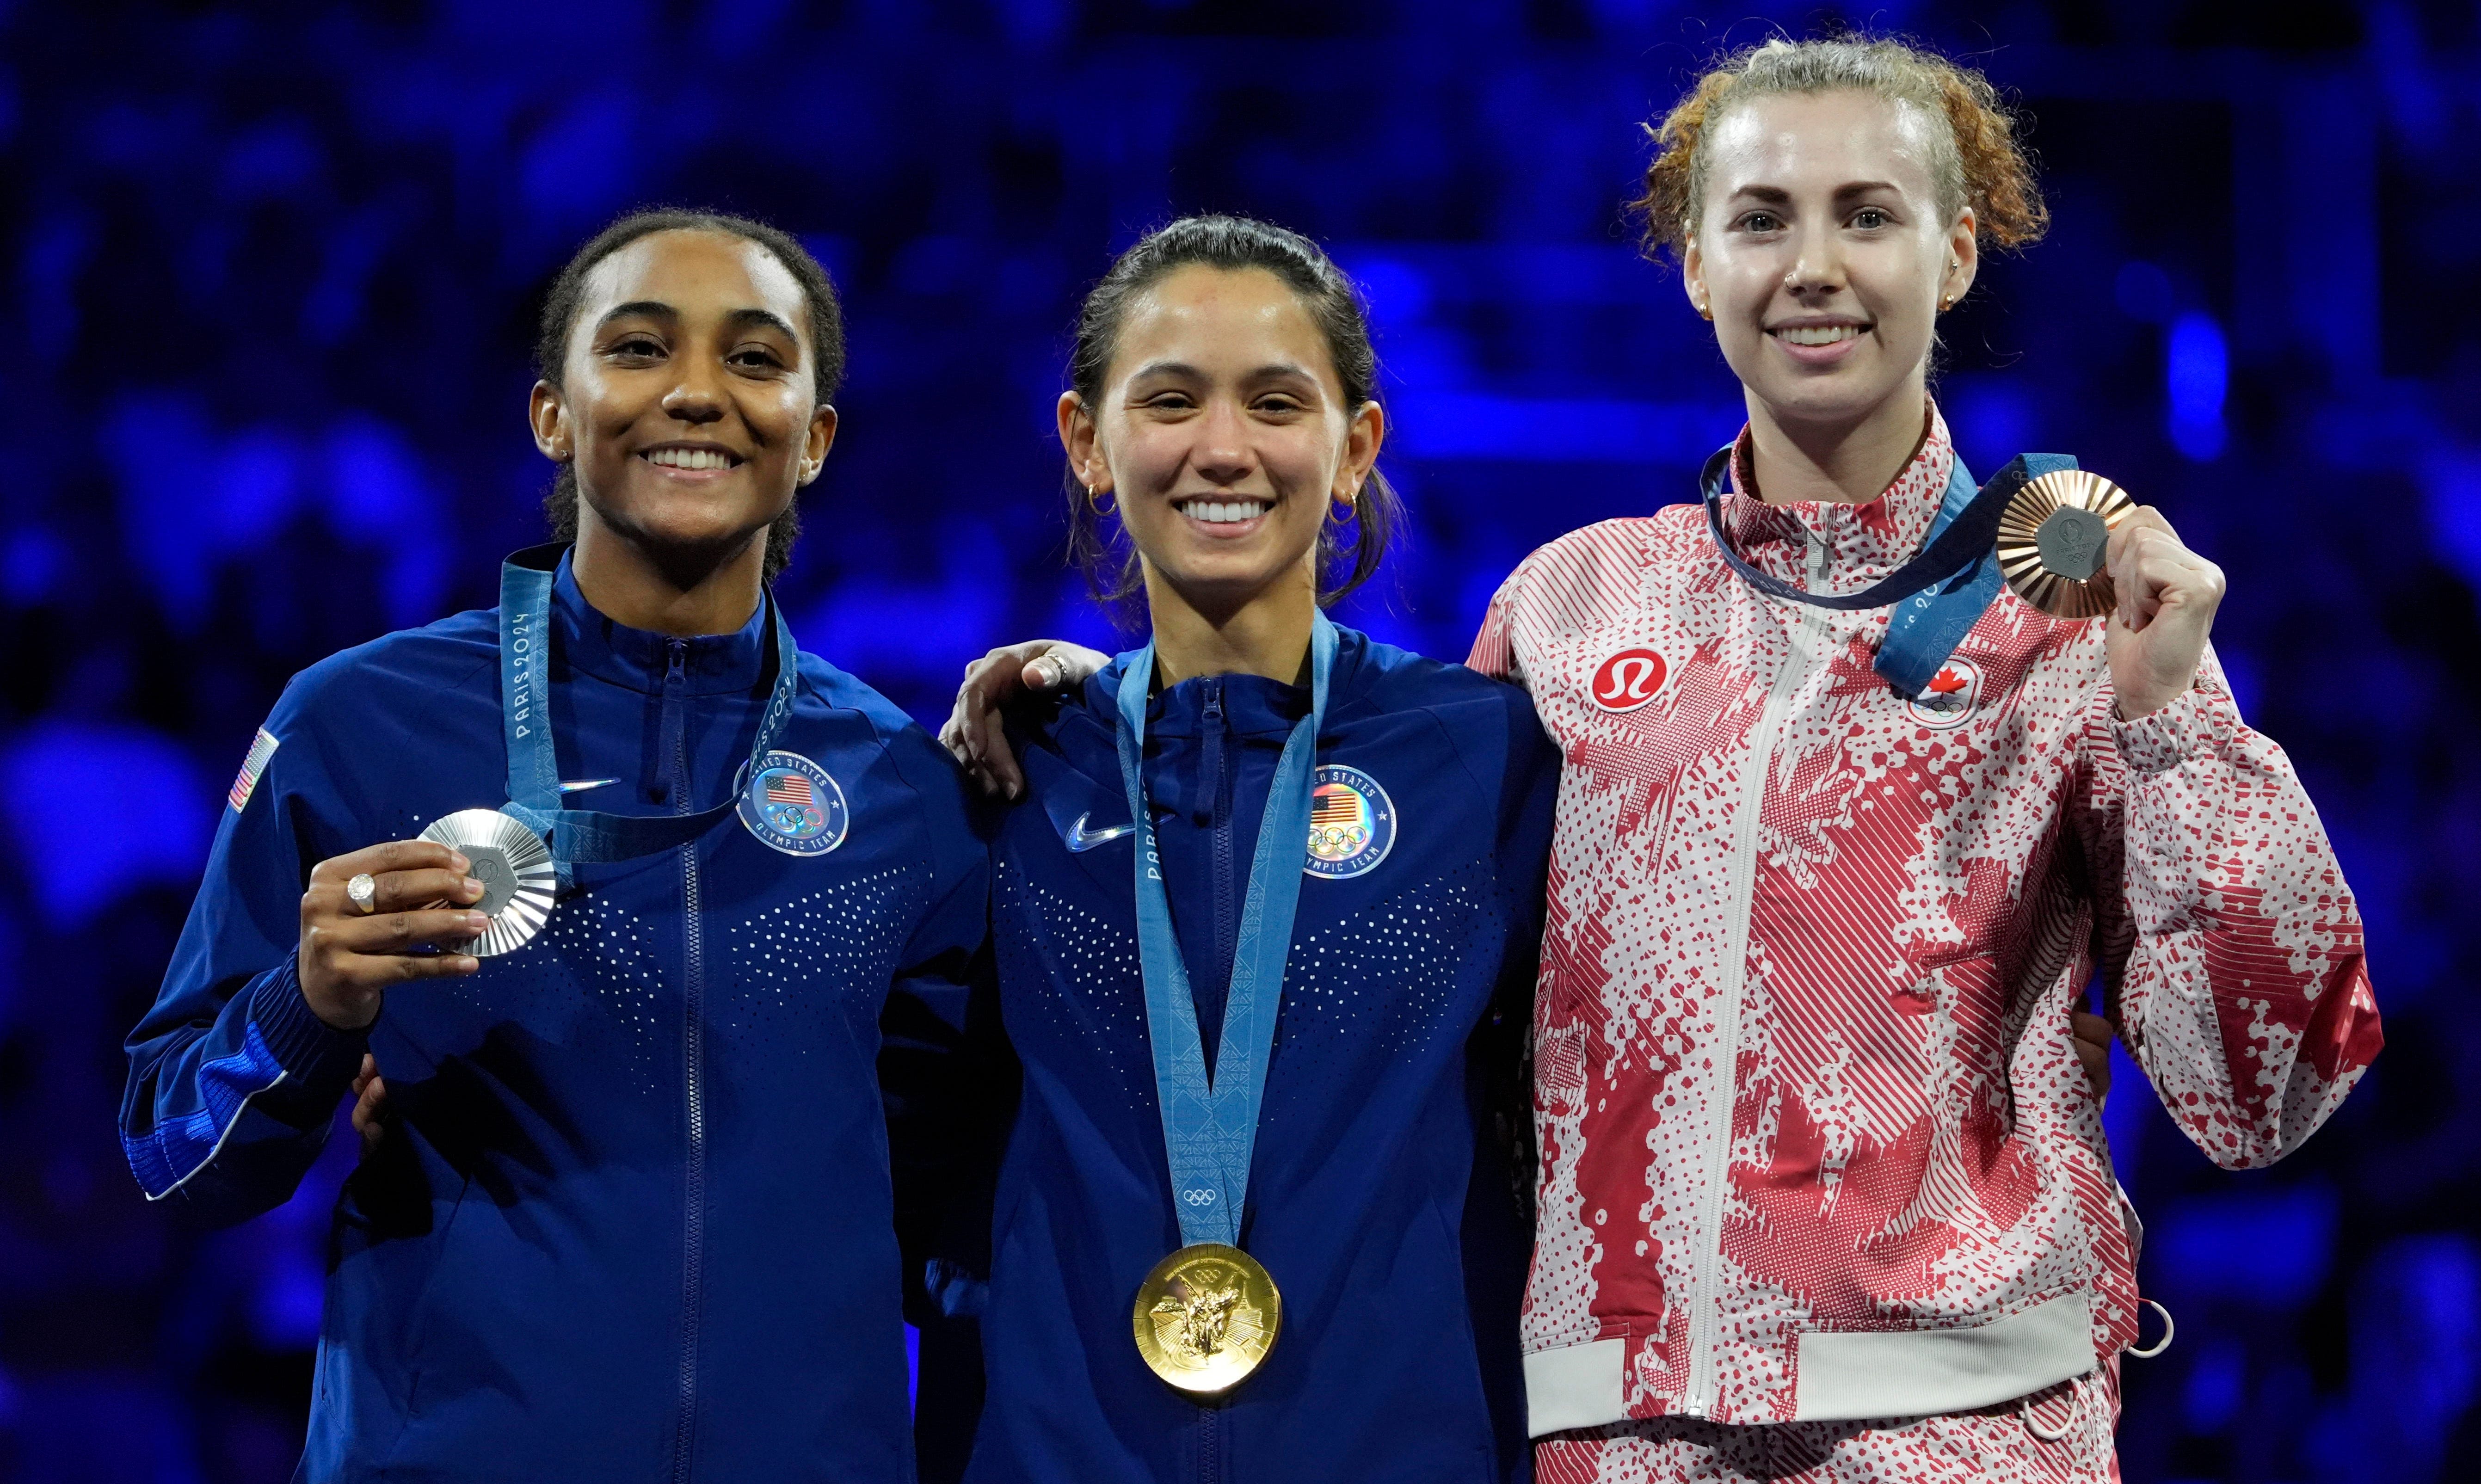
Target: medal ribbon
(1210, 1124)
(1939, 594)
(586, 835)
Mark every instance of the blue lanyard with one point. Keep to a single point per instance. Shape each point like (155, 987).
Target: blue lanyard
(1210, 1125)
(1939, 594)
(586, 835)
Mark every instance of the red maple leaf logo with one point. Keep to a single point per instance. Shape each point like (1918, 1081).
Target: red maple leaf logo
(1947, 683)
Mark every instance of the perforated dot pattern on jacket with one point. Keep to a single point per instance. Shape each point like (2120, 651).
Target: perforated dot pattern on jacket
(797, 964)
(1072, 972)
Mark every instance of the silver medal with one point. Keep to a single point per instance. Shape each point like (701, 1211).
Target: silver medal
(516, 872)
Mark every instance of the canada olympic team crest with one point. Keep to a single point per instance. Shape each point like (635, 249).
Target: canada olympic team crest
(1352, 822)
(1949, 698)
(793, 804)
(1628, 680)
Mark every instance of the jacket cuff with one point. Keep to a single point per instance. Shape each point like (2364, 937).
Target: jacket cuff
(2196, 726)
(313, 1053)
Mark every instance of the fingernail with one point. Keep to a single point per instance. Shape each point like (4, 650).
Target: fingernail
(475, 922)
(463, 865)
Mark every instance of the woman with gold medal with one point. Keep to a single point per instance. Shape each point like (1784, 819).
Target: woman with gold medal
(1264, 921)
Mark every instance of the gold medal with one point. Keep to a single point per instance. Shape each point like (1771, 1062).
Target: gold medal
(1206, 1317)
(2053, 540)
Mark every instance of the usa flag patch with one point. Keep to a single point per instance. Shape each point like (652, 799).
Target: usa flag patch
(261, 748)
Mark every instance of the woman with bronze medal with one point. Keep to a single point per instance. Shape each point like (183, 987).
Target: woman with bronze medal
(655, 925)
(1264, 922)
(1871, 769)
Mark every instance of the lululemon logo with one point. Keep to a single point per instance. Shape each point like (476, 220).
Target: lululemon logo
(1629, 679)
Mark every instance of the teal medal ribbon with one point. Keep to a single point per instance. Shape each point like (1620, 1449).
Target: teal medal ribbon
(1939, 594)
(586, 835)
(1211, 1123)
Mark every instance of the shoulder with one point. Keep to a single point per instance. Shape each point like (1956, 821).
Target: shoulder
(406, 669)
(1489, 722)
(923, 764)
(1596, 564)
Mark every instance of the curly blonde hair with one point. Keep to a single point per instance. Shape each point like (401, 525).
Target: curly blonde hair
(1975, 157)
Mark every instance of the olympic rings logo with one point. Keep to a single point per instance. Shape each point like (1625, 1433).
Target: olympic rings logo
(1198, 1197)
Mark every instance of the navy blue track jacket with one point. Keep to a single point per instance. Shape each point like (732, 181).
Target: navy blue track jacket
(633, 1219)
(1382, 1194)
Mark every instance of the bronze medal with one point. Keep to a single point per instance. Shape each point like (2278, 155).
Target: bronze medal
(1206, 1317)
(2054, 538)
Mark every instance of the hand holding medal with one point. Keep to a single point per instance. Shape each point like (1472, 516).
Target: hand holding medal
(2166, 598)
(380, 915)
(2075, 546)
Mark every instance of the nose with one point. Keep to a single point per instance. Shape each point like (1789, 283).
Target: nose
(1222, 454)
(697, 396)
(1817, 272)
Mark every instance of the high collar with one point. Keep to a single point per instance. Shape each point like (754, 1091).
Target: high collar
(640, 659)
(1856, 544)
(1253, 704)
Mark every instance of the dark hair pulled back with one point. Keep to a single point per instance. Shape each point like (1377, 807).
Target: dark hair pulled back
(567, 295)
(1108, 559)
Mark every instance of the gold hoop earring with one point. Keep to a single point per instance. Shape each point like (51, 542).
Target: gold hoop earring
(1095, 496)
(1340, 508)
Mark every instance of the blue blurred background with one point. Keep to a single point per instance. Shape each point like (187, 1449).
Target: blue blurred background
(273, 271)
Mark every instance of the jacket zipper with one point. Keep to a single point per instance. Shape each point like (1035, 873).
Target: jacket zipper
(694, 1059)
(1213, 770)
(1745, 819)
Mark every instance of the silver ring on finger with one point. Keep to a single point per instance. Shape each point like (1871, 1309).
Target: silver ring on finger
(363, 892)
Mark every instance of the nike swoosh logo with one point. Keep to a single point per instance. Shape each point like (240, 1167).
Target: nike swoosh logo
(1079, 839)
(581, 785)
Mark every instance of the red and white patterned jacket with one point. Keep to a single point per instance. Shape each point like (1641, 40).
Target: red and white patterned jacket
(1814, 1141)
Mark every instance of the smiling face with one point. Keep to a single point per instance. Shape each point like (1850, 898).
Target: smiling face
(1222, 431)
(1822, 255)
(687, 404)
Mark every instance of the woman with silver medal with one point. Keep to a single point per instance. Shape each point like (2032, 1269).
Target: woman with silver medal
(648, 1066)
(1264, 922)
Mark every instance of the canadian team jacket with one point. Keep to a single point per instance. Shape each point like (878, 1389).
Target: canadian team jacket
(1814, 1141)
(631, 1220)
(1380, 1196)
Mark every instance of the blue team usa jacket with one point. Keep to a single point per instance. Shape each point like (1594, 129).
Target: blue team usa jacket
(633, 1219)
(1383, 1196)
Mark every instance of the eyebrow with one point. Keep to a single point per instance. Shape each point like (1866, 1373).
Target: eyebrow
(1775, 195)
(656, 309)
(1271, 371)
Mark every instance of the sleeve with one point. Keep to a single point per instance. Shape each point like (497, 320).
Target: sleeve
(941, 1065)
(2232, 948)
(1516, 767)
(1494, 647)
(233, 1082)
(939, 1018)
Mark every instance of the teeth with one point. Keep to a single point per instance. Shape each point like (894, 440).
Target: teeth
(1224, 511)
(1818, 334)
(691, 458)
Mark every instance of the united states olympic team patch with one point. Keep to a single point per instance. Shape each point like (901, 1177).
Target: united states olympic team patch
(1352, 822)
(793, 805)
(254, 763)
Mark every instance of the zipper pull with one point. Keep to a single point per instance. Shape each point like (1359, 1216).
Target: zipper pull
(676, 669)
(1205, 807)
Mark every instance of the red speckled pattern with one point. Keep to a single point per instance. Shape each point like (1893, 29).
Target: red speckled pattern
(1870, 975)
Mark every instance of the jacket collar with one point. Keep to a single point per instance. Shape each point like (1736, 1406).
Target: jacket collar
(1258, 704)
(639, 659)
(1861, 543)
